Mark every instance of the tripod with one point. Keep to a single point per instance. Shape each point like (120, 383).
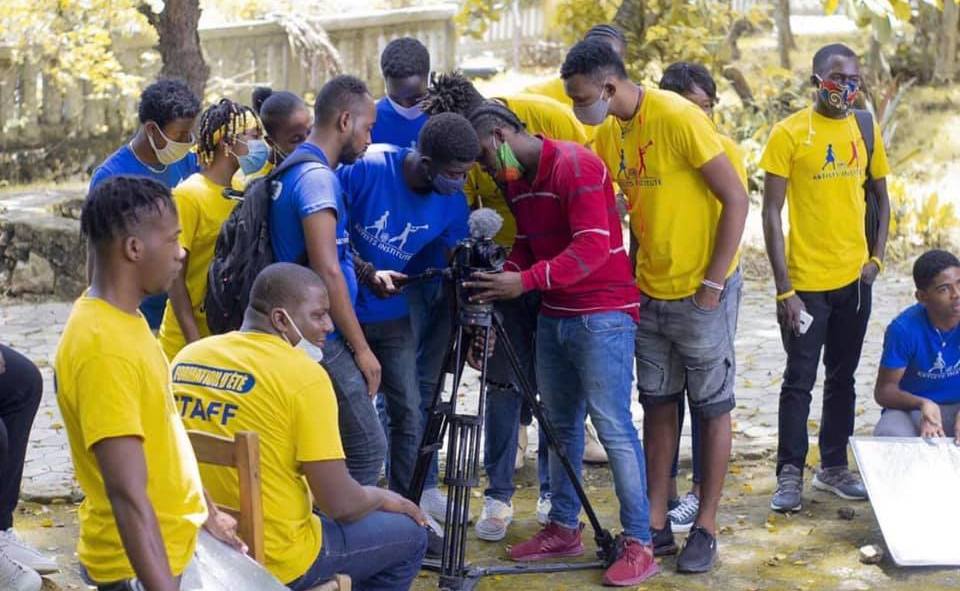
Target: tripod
(463, 432)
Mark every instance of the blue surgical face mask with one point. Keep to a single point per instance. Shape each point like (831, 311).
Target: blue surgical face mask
(447, 186)
(257, 153)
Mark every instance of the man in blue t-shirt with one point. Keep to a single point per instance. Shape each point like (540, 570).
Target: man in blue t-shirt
(402, 200)
(405, 64)
(161, 149)
(918, 385)
(308, 222)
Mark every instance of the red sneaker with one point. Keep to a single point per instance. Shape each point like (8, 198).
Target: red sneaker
(553, 541)
(634, 566)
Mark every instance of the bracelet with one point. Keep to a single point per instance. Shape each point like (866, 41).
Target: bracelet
(786, 295)
(876, 261)
(712, 284)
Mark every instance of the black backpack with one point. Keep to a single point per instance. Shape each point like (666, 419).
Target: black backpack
(243, 249)
(872, 217)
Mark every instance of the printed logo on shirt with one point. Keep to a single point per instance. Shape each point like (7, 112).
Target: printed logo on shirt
(377, 235)
(940, 370)
(834, 168)
(191, 374)
(637, 177)
(194, 407)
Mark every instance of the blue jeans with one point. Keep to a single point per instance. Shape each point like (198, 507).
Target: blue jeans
(382, 551)
(504, 399)
(585, 364)
(362, 436)
(393, 344)
(430, 318)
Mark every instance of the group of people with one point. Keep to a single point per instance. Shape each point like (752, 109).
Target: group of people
(366, 193)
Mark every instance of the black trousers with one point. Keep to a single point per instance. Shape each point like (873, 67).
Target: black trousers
(20, 389)
(839, 325)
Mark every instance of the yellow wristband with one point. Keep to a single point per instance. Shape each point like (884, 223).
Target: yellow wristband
(786, 295)
(876, 261)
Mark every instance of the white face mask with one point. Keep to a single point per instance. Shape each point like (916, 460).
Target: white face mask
(173, 151)
(409, 113)
(315, 352)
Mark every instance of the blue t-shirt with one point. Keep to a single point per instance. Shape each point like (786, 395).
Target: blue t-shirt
(308, 188)
(124, 161)
(390, 223)
(931, 359)
(393, 128)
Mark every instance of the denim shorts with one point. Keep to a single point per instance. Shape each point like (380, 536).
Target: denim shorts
(680, 346)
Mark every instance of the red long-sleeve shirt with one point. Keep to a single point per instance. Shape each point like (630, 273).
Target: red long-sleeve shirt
(569, 239)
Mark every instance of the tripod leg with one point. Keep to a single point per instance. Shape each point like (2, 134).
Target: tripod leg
(436, 424)
(602, 536)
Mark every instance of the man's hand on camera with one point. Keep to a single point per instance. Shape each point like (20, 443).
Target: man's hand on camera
(382, 283)
(494, 286)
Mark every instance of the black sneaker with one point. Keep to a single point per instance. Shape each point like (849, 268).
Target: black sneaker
(699, 553)
(663, 542)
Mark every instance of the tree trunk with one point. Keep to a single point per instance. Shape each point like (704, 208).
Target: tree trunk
(517, 33)
(179, 42)
(784, 36)
(630, 17)
(786, 9)
(945, 66)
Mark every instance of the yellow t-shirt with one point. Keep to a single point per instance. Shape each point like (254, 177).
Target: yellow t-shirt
(202, 210)
(113, 381)
(248, 381)
(825, 162)
(655, 159)
(541, 115)
(553, 88)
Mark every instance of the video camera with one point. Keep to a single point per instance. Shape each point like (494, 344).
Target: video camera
(476, 254)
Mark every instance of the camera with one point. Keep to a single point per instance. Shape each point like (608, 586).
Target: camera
(474, 255)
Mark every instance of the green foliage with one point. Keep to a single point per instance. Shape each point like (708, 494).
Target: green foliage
(475, 16)
(73, 41)
(575, 17)
(918, 223)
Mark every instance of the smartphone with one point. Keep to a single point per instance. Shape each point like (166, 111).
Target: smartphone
(805, 321)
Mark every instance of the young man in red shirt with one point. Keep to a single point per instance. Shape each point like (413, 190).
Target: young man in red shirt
(569, 246)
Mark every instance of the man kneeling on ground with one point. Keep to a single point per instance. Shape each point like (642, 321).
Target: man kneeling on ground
(919, 381)
(266, 378)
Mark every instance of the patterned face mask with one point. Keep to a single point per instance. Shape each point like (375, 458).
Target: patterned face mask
(838, 95)
(509, 168)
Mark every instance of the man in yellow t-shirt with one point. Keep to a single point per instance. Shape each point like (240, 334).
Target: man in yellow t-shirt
(693, 82)
(553, 87)
(687, 212)
(504, 413)
(266, 378)
(816, 160)
(144, 503)
(230, 140)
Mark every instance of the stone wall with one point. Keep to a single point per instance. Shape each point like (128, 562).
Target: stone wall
(46, 133)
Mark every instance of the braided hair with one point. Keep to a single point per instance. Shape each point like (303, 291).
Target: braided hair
(451, 93)
(491, 115)
(224, 121)
(120, 203)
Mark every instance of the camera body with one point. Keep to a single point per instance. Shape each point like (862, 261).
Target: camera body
(474, 255)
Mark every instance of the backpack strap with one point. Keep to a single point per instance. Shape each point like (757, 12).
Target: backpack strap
(865, 123)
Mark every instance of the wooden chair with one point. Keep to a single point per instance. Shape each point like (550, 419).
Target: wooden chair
(243, 454)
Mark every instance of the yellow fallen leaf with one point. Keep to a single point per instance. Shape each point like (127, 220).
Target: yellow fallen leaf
(46, 522)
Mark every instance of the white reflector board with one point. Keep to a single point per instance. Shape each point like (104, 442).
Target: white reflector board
(914, 487)
(217, 567)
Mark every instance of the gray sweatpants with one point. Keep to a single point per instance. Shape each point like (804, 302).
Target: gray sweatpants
(902, 423)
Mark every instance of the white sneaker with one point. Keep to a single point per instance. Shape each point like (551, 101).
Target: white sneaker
(543, 508)
(521, 447)
(434, 503)
(494, 520)
(28, 556)
(593, 452)
(16, 577)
